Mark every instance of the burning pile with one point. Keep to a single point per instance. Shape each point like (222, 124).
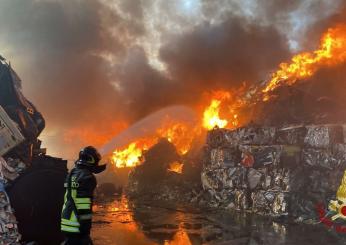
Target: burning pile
(274, 169)
(235, 106)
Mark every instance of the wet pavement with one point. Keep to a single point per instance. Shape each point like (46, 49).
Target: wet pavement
(120, 222)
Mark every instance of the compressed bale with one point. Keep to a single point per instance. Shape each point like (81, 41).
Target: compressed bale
(291, 156)
(208, 182)
(322, 158)
(238, 177)
(323, 136)
(241, 199)
(217, 138)
(8, 224)
(225, 157)
(339, 152)
(280, 204)
(301, 167)
(293, 135)
(251, 136)
(269, 202)
(280, 179)
(263, 155)
(254, 178)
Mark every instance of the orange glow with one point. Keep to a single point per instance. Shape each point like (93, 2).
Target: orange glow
(179, 134)
(180, 238)
(176, 167)
(211, 115)
(131, 155)
(96, 135)
(332, 51)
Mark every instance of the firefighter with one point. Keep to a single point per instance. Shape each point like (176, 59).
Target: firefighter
(77, 210)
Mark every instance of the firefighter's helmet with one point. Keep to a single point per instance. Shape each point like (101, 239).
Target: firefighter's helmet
(90, 158)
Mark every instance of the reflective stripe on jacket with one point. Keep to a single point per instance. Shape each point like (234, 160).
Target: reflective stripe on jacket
(77, 209)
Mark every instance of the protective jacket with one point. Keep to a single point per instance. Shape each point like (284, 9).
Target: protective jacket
(77, 210)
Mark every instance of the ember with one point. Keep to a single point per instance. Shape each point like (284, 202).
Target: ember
(176, 167)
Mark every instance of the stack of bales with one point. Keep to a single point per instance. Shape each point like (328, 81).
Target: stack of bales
(274, 171)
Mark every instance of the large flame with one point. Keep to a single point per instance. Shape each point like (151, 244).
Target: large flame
(332, 51)
(211, 115)
(131, 155)
(179, 134)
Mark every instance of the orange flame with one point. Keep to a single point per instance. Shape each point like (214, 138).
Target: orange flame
(176, 167)
(211, 117)
(179, 134)
(332, 50)
(131, 155)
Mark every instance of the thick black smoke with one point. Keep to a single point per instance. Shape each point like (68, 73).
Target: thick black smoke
(84, 63)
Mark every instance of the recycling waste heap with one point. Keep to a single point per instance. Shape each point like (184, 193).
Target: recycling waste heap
(275, 171)
(31, 183)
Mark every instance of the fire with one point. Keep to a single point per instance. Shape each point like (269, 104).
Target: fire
(211, 117)
(179, 134)
(331, 51)
(131, 156)
(176, 167)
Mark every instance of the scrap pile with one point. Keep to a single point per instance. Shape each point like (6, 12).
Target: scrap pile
(274, 171)
(21, 156)
(10, 169)
(153, 181)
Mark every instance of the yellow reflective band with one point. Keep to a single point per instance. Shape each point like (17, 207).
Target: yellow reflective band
(69, 229)
(83, 206)
(83, 200)
(69, 222)
(85, 216)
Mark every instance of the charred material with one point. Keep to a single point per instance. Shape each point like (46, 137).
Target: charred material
(152, 180)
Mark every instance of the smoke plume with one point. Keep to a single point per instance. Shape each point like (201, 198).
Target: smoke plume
(94, 67)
